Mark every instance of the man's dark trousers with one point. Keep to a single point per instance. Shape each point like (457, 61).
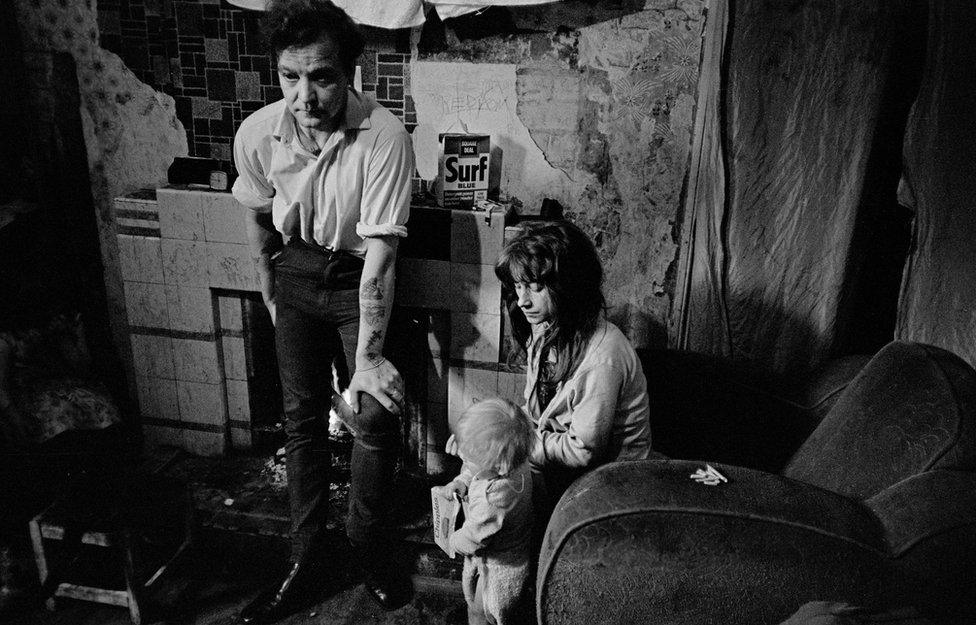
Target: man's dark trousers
(317, 310)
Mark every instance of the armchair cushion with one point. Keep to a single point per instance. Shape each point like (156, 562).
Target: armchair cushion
(911, 409)
(930, 526)
(633, 539)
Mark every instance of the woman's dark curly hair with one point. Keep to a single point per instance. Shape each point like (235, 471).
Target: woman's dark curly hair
(560, 256)
(289, 23)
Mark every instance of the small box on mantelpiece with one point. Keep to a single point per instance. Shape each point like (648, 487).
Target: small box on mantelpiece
(464, 170)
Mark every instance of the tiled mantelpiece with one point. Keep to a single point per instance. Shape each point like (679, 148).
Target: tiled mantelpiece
(446, 270)
(185, 263)
(186, 267)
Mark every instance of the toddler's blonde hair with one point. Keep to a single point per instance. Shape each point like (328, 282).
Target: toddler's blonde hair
(496, 434)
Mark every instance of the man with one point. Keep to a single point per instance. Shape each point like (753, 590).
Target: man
(327, 171)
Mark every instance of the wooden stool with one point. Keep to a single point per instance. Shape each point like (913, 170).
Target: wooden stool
(119, 554)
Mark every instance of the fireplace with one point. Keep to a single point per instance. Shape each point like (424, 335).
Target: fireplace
(202, 344)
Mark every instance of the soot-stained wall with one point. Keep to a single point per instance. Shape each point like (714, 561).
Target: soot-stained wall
(607, 93)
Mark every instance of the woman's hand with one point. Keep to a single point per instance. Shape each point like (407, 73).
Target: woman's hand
(537, 456)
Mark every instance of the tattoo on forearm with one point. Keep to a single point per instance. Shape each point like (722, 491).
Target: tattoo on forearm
(375, 339)
(373, 314)
(371, 289)
(374, 345)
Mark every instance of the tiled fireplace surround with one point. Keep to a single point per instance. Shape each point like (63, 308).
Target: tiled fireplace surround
(186, 267)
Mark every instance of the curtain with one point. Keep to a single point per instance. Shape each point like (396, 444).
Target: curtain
(783, 173)
(699, 288)
(938, 297)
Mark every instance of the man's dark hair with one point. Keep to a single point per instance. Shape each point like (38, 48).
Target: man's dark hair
(289, 23)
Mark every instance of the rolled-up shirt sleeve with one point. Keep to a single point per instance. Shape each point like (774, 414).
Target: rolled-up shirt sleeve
(252, 188)
(387, 187)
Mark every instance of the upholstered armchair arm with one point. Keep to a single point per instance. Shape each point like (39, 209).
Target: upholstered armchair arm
(929, 521)
(643, 542)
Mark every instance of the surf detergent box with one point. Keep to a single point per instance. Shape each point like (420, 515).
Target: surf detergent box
(465, 163)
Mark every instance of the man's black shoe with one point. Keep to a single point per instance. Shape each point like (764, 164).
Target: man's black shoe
(290, 596)
(381, 571)
(387, 595)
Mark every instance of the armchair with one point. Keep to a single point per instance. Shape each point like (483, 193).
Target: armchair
(876, 507)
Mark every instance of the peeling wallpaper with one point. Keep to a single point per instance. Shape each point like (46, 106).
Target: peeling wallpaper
(606, 91)
(643, 72)
(611, 104)
(130, 130)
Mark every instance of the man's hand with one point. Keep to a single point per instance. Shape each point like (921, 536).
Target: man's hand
(382, 382)
(375, 374)
(266, 282)
(263, 241)
(266, 285)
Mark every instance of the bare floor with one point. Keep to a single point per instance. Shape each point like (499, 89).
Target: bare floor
(227, 571)
(242, 548)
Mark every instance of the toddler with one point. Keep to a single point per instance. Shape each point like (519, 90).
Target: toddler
(494, 439)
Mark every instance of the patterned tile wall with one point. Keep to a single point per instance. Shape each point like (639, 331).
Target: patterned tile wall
(208, 56)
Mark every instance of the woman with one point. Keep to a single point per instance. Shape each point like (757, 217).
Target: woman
(585, 388)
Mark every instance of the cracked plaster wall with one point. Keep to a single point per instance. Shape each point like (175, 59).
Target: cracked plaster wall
(130, 130)
(610, 103)
(606, 91)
